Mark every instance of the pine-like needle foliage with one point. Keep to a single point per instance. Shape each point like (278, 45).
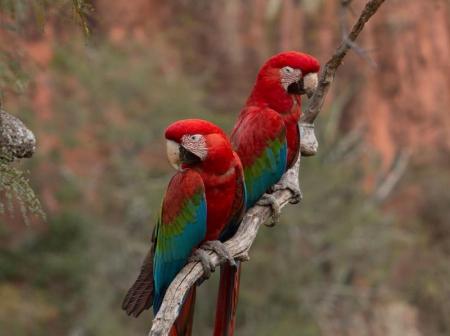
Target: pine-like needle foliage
(15, 186)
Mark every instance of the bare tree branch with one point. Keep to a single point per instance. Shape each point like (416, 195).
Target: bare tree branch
(242, 241)
(329, 71)
(363, 53)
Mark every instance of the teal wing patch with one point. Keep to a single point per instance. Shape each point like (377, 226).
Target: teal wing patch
(181, 228)
(259, 138)
(266, 170)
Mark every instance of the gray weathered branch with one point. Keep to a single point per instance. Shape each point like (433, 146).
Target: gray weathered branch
(241, 243)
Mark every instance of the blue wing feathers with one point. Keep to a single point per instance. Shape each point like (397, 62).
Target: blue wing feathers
(176, 240)
(266, 171)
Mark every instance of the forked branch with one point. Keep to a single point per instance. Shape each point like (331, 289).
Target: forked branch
(330, 68)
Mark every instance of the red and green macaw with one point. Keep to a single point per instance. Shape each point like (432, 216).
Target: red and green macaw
(266, 135)
(204, 201)
(267, 140)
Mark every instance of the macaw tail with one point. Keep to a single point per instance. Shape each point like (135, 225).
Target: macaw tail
(183, 323)
(227, 299)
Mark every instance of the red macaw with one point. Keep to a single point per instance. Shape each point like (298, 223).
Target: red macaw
(267, 140)
(266, 135)
(204, 203)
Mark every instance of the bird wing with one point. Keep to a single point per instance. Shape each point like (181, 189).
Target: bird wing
(239, 203)
(259, 138)
(179, 229)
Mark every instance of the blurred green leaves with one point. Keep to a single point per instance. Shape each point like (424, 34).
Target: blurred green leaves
(15, 186)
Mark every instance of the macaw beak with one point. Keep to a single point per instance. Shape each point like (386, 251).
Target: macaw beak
(188, 157)
(173, 154)
(179, 155)
(306, 85)
(310, 83)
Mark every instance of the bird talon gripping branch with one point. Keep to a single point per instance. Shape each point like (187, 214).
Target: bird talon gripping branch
(270, 200)
(286, 184)
(218, 247)
(204, 258)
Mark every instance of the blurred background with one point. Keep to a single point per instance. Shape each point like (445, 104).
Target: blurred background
(366, 253)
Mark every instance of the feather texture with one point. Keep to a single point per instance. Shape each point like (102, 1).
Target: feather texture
(262, 149)
(140, 296)
(181, 228)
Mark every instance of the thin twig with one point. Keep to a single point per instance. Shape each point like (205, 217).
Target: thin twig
(329, 71)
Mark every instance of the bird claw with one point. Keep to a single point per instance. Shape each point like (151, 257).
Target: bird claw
(218, 247)
(294, 188)
(200, 255)
(270, 200)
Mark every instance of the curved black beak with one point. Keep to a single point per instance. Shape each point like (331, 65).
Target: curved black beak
(296, 88)
(188, 157)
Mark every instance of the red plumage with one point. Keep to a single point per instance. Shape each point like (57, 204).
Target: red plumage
(209, 188)
(267, 139)
(186, 187)
(269, 93)
(222, 175)
(227, 300)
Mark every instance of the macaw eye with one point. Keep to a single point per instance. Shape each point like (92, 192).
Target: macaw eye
(287, 70)
(195, 137)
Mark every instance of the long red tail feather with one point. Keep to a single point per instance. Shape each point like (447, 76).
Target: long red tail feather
(227, 300)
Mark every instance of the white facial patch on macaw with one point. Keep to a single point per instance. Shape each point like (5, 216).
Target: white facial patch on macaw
(289, 75)
(196, 144)
(173, 153)
(310, 82)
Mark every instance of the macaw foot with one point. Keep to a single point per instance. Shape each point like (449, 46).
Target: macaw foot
(204, 258)
(293, 187)
(270, 200)
(218, 247)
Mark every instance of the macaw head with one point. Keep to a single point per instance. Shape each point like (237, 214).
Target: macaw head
(198, 143)
(287, 73)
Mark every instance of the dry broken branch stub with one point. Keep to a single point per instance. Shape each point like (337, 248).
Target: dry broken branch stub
(16, 140)
(242, 241)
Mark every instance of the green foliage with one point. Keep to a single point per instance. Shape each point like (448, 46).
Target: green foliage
(15, 185)
(54, 261)
(24, 11)
(426, 260)
(12, 75)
